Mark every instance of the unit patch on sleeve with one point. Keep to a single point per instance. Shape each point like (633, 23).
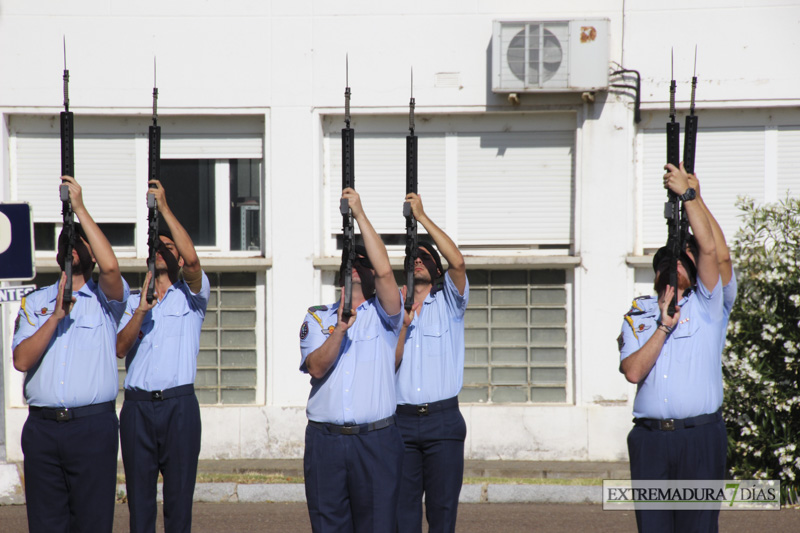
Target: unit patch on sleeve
(304, 330)
(620, 341)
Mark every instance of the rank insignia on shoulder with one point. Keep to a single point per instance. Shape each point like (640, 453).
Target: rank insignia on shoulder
(304, 330)
(315, 308)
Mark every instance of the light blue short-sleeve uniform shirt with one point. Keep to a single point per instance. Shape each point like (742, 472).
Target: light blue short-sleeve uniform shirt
(359, 388)
(433, 358)
(79, 365)
(686, 379)
(165, 353)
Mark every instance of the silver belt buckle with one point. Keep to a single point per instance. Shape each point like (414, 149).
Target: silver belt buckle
(422, 410)
(667, 425)
(62, 415)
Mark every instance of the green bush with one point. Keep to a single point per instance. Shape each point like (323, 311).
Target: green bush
(761, 361)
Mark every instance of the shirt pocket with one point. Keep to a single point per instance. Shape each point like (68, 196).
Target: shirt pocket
(173, 321)
(87, 328)
(683, 338)
(433, 340)
(365, 345)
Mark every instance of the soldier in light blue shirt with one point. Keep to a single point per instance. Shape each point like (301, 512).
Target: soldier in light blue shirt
(676, 363)
(353, 450)
(70, 438)
(160, 419)
(430, 355)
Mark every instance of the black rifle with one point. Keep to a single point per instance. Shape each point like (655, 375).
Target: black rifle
(411, 186)
(154, 173)
(689, 147)
(348, 180)
(672, 208)
(67, 169)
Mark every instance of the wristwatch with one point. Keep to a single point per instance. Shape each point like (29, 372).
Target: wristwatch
(689, 195)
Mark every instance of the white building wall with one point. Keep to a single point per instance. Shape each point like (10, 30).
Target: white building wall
(285, 60)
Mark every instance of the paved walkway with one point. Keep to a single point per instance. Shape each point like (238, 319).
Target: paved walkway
(473, 492)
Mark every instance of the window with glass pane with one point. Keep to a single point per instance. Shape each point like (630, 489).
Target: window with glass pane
(516, 337)
(227, 361)
(196, 198)
(189, 185)
(245, 204)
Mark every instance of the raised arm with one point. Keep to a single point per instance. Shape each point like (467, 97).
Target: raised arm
(385, 284)
(321, 360)
(638, 365)
(128, 335)
(723, 252)
(28, 352)
(183, 242)
(110, 277)
(455, 260)
(677, 180)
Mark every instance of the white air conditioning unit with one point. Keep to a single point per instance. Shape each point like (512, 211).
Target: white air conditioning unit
(550, 55)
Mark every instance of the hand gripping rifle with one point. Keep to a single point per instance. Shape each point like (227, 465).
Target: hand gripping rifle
(348, 180)
(672, 208)
(67, 169)
(689, 147)
(154, 173)
(411, 186)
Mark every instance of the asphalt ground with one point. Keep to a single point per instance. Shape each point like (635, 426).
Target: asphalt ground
(473, 518)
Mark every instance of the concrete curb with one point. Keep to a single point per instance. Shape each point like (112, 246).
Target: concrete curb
(11, 492)
(485, 493)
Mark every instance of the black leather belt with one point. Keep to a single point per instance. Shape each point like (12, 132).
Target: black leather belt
(158, 395)
(355, 429)
(673, 424)
(427, 408)
(65, 414)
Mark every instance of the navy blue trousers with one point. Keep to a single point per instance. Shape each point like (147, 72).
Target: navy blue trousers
(352, 481)
(71, 473)
(433, 464)
(160, 436)
(693, 453)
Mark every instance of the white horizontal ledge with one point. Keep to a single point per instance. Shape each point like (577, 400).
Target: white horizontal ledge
(496, 262)
(210, 264)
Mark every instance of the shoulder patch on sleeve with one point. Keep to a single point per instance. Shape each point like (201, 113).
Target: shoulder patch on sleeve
(304, 330)
(314, 308)
(16, 324)
(620, 342)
